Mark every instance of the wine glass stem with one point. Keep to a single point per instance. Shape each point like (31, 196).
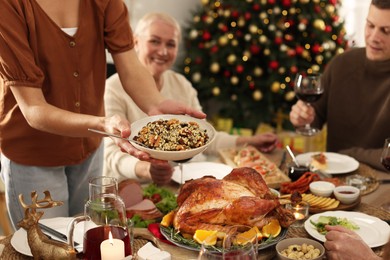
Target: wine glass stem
(181, 173)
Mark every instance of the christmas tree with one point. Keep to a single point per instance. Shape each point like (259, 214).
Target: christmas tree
(242, 55)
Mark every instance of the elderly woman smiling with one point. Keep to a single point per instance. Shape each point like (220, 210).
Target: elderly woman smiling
(157, 37)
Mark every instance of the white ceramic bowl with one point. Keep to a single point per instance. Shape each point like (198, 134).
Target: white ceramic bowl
(346, 194)
(322, 188)
(285, 243)
(172, 155)
(275, 192)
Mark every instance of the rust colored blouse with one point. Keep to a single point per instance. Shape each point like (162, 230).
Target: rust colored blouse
(71, 71)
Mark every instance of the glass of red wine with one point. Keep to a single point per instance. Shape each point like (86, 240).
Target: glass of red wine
(385, 157)
(385, 160)
(308, 88)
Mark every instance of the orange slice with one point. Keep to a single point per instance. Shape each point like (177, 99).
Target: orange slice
(168, 219)
(207, 237)
(248, 236)
(273, 229)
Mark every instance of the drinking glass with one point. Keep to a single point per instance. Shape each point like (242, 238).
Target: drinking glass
(308, 88)
(385, 160)
(245, 249)
(385, 157)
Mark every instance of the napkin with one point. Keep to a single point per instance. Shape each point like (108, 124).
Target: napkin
(154, 228)
(150, 252)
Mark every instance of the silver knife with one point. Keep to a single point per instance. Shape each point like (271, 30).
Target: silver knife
(50, 231)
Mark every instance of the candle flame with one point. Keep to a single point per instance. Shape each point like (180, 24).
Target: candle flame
(110, 238)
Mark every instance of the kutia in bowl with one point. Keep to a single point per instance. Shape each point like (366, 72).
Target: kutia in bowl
(300, 248)
(179, 137)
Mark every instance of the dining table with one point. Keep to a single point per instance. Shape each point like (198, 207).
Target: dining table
(370, 203)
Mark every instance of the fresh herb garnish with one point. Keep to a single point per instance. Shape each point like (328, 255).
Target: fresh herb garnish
(333, 221)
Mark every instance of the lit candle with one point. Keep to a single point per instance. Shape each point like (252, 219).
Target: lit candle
(112, 249)
(298, 216)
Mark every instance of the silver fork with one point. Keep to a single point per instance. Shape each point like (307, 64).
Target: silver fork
(117, 136)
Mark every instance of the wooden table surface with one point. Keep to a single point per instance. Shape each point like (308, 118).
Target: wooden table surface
(370, 204)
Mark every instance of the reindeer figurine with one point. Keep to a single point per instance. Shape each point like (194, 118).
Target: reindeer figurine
(41, 246)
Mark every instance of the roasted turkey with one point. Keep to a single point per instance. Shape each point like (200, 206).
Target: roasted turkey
(241, 198)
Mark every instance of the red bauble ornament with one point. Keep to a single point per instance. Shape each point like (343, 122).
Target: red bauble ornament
(256, 7)
(291, 52)
(328, 28)
(271, 2)
(299, 50)
(247, 16)
(198, 60)
(227, 74)
(254, 49)
(201, 45)
(251, 85)
(286, 3)
(273, 64)
(240, 69)
(206, 36)
(278, 40)
(224, 28)
(288, 37)
(316, 48)
(317, 9)
(214, 49)
(235, 14)
(294, 69)
(333, 2)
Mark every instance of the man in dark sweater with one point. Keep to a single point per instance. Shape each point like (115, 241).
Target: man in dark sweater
(356, 101)
(356, 108)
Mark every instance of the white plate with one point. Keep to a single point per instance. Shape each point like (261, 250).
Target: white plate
(197, 170)
(374, 231)
(19, 239)
(337, 163)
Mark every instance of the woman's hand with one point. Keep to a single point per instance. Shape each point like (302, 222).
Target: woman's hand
(342, 243)
(301, 114)
(161, 172)
(169, 106)
(265, 143)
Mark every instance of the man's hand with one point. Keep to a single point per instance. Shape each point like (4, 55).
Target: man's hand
(342, 243)
(301, 114)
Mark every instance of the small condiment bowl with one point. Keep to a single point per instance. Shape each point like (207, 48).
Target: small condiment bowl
(295, 172)
(346, 194)
(297, 243)
(322, 188)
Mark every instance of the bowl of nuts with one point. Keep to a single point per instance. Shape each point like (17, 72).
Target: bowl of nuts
(300, 248)
(172, 137)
